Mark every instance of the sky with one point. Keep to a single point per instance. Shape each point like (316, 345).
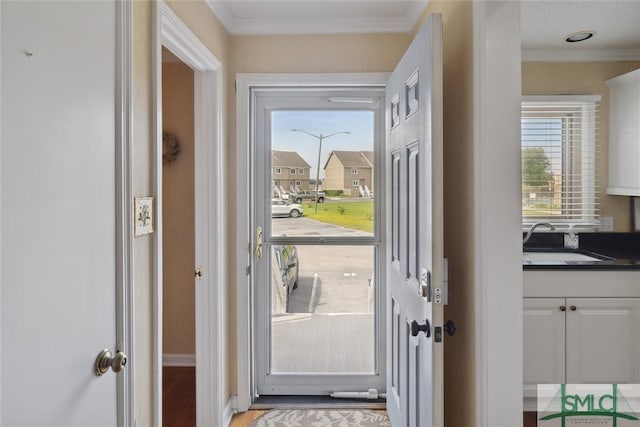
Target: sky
(359, 123)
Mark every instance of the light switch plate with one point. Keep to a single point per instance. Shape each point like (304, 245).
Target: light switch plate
(143, 215)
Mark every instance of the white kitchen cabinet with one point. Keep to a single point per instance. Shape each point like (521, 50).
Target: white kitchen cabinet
(579, 341)
(603, 340)
(624, 134)
(544, 343)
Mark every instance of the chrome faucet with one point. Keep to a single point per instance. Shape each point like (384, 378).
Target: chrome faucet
(533, 227)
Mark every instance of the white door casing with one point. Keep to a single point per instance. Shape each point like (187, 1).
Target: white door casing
(414, 227)
(210, 235)
(66, 212)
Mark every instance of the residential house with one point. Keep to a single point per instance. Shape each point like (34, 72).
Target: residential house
(289, 172)
(350, 172)
(67, 237)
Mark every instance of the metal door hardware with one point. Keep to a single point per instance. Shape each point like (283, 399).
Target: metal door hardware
(416, 328)
(450, 328)
(259, 242)
(425, 284)
(106, 360)
(199, 273)
(437, 334)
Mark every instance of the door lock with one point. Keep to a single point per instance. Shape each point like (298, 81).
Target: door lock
(106, 360)
(199, 273)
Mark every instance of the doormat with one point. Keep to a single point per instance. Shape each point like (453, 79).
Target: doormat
(321, 418)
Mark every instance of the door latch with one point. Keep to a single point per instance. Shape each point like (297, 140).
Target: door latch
(199, 273)
(416, 328)
(259, 242)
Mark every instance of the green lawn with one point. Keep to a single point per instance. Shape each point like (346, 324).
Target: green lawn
(354, 215)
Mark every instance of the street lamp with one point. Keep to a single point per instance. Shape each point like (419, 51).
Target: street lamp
(320, 138)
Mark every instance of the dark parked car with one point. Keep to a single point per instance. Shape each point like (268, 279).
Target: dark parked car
(286, 276)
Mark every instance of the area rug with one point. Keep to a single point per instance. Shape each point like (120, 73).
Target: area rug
(321, 418)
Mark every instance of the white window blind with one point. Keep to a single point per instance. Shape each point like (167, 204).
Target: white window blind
(559, 149)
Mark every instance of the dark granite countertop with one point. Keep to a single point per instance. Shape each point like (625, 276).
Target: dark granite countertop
(617, 251)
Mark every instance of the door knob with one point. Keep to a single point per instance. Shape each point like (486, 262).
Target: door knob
(416, 328)
(106, 360)
(450, 327)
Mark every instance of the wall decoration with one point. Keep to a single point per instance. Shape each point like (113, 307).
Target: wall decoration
(170, 148)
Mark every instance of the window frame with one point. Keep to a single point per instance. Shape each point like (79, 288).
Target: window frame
(589, 141)
(354, 171)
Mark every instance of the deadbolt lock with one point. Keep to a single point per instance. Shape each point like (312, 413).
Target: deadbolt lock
(106, 360)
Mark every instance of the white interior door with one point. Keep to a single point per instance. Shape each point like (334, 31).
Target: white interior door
(415, 255)
(58, 212)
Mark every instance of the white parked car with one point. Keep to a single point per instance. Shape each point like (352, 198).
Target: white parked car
(284, 208)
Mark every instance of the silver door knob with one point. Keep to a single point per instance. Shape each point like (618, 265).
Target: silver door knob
(106, 360)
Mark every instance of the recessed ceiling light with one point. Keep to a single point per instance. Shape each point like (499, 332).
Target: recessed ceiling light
(580, 36)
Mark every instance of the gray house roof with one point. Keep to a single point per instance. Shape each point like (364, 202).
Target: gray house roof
(352, 159)
(287, 159)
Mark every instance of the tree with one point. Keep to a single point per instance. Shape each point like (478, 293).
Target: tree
(536, 167)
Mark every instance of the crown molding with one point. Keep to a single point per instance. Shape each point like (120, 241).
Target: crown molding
(556, 55)
(237, 26)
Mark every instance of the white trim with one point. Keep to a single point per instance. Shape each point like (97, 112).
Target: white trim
(211, 361)
(183, 360)
(243, 206)
(555, 55)
(301, 25)
(497, 222)
(229, 410)
(125, 289)
(558, 99)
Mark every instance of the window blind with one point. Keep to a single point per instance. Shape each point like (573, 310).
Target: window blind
(559, 150)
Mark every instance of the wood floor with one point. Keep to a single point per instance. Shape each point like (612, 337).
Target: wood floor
(179, 401)
(178, 397)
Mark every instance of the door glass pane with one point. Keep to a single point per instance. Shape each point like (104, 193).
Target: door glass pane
(328, 156)
(322, 309)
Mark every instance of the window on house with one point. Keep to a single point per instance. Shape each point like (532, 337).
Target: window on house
(355, 183)
(277, 171)
(354, 171)
(298, 182)
(558, 140)
(300, 171)
(292, 171)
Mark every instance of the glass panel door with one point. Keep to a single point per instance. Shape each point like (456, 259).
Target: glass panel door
(318, 306)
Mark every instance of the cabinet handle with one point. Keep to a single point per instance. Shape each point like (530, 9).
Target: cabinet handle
(573, 308)
(563, 308)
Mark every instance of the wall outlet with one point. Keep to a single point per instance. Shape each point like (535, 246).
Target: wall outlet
(606, 223)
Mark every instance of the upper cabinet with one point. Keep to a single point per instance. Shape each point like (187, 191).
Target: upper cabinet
(624, 134)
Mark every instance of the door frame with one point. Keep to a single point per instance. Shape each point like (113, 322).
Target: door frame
(125, 287)
(244, 83)
(497, 213)
(210, 236)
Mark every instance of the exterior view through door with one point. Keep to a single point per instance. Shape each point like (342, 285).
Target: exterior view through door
(319, 303)
(348, 271)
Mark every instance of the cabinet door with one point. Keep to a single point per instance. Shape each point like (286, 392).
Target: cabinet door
(603, 340)
(544, 346)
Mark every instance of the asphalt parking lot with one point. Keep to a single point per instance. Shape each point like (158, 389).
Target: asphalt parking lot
(329, 325)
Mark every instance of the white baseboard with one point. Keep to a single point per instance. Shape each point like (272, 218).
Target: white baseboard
(229, 410)
(186, 360)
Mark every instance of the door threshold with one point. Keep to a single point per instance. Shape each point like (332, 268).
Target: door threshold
(315, 402)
